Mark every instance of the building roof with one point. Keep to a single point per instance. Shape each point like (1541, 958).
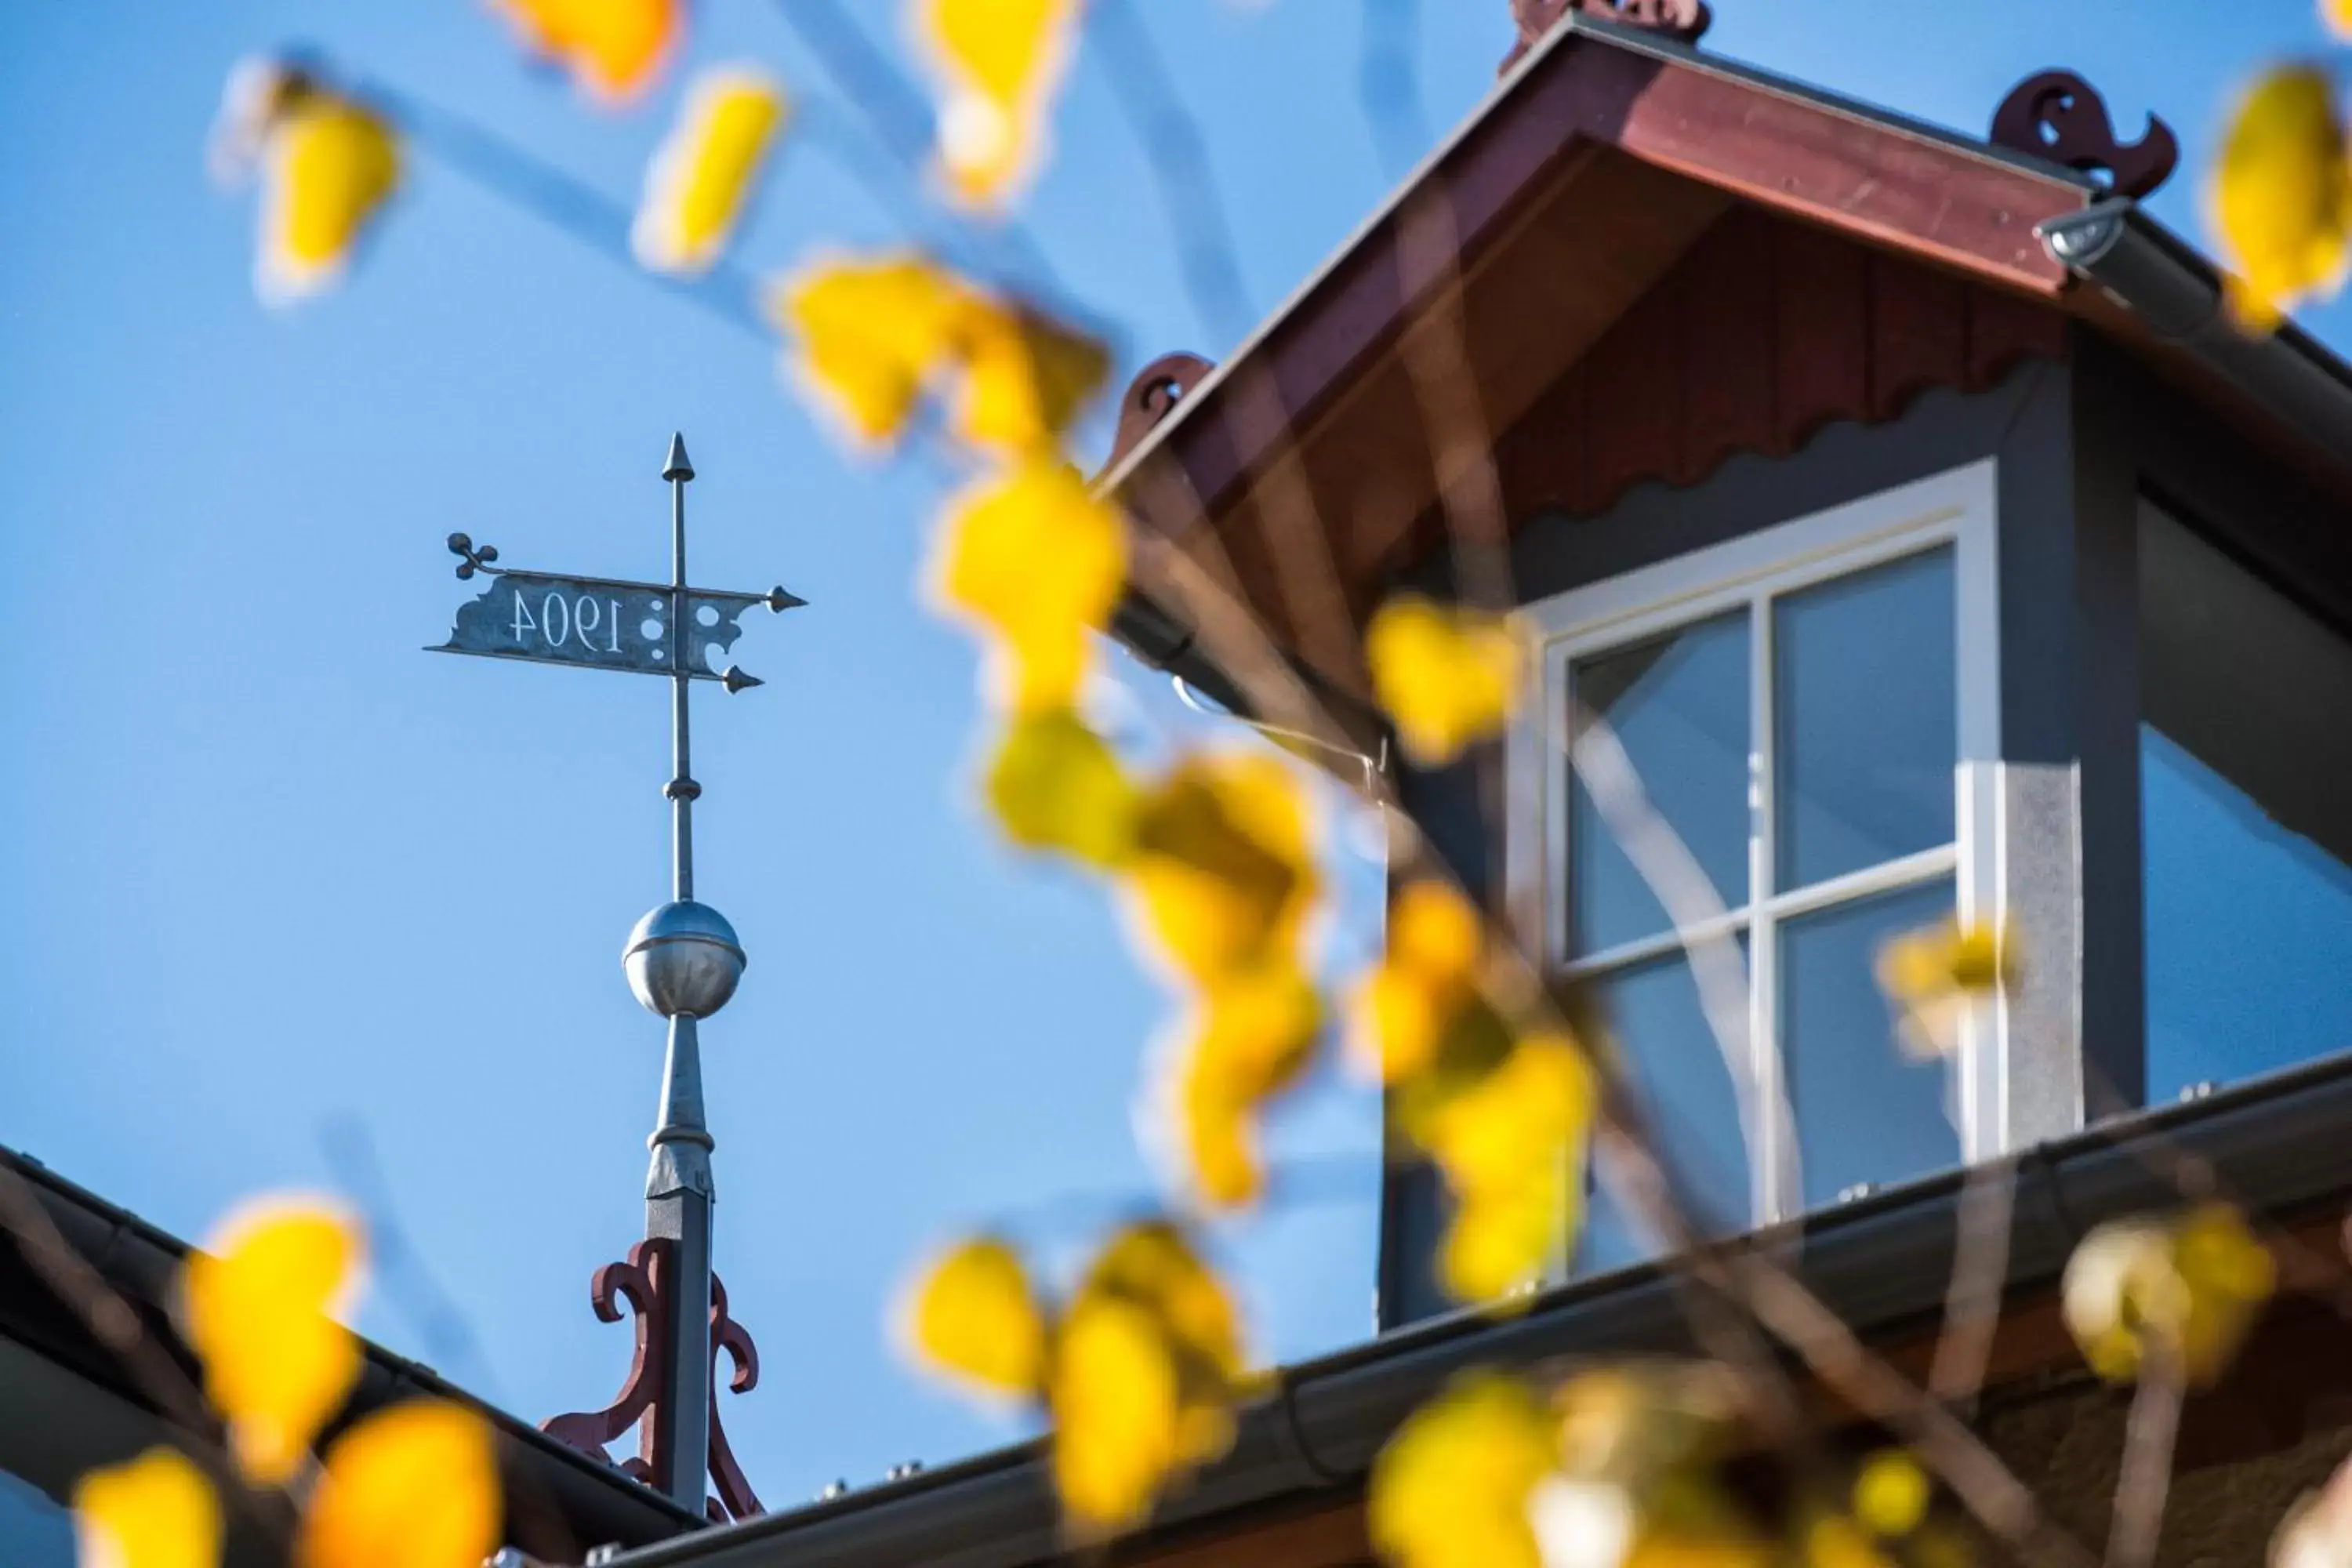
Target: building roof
(1882, 1264)
(72, 1405)
(1598, 164)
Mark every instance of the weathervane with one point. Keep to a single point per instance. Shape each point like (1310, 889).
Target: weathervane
(683, 962)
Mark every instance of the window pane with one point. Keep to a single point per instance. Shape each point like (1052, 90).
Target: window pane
(1865, 712)
(1679, 703)
(1687, 1093)
(2245, 819)
(1865, 1111)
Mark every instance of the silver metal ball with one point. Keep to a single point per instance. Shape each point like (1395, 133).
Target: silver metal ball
(683, 958)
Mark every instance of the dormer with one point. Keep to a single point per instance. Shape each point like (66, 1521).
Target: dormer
(1926, 536)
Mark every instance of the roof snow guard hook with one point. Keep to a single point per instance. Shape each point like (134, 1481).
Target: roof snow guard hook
(2058, 116)
(1681, 20)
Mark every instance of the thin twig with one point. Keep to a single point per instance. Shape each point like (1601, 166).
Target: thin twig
(116, 1325)
(1178, 156)
(1973, 1295)
(2145, 1479)
(1386, 85)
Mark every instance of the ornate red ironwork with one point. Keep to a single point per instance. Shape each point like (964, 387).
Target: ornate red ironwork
(2057, 115)
(644, 1282)
(1682, 20)
(1154, 393)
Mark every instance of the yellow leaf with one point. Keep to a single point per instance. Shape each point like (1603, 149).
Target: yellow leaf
(1031, 556)
(612, 48)
(1509, 1144)
(870, 336)
(328, 166)
(1054, 785)
(414, 1486)
(259, 1304)
(698, 183)
(1448, 677)
(1403, 1008)
(1939, 977)
(1025, 379)
(2278, 198)
(972, 1314)
(999, 62)
(1453, 1488)
(2189, 1286)
(1224, 877)
(156, 1511)
(1254, 1036)
(1891, 1493)
(1116, 1415)
(1152, 1265)
(2337, 15)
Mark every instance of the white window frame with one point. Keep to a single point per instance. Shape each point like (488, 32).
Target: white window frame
(1957, 507)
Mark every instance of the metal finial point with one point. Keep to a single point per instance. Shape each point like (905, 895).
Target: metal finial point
(780, 600)
(735, 679)
(676, 467)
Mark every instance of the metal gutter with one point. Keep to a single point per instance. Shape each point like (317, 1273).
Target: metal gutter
(2161, 280)
(2277, 1145)
(143, 1263)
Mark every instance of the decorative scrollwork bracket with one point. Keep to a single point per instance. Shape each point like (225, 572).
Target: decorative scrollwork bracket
(1681, 20)
(1150, 397)
(644, 1282)
(2057, 115)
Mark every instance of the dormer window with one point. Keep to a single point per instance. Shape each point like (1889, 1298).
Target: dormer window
(1812, 710)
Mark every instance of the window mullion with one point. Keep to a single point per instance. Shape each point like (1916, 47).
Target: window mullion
(1767, 1157)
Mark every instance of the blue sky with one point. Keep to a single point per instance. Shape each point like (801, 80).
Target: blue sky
(275, 875)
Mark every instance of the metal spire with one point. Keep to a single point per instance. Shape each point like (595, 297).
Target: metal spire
(683, 961)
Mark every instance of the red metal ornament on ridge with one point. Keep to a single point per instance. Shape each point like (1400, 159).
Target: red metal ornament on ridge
(1682, 20)
(2057, 115)
(644, 1282)
(1150, 397)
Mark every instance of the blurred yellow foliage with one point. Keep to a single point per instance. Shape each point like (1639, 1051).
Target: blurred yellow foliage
(413, 1485)
(1253, 1037)
(1511, 1144)
(1139, 1374)
(2337, 15)
(614, 49)
(1452, 1488)
(259, 1305)
(999, 62)
(1891, 1493)
(1937, 976)
(2280, 197)
(2188, 1285)
(871, 336)
(972, 1314)
(874, 335)
(1224, 877)
(155, 1511)
(1449, 677)
(1402, 1010)
(328, 165)
(1033, 558)
(1054, 784)
(1025, 378)
(699, 182)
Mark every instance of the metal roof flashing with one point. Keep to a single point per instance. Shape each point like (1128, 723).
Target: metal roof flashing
(1881, 1263)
